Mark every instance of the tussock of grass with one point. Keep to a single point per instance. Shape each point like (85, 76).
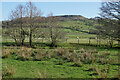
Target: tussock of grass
(8, 71)
(6, 53)
(71, 58)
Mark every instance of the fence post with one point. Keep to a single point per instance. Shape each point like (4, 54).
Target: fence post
(78, 39)
(89, 40)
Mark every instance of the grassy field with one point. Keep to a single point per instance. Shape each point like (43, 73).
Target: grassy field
(56, 66)
(49, 69)
(69, 59)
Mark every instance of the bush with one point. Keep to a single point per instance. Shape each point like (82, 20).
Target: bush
(7, 71)
(42, 75)
(60, 51)
(6, 53)
(87, 58)
(24, 53)
(102, 73)
(103, 61)
(39, 55)
(83, 50)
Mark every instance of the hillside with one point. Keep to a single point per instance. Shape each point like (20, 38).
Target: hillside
(77, 23)
(72, 17)
(72, 22)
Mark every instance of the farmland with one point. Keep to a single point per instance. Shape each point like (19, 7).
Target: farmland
(55, 66)
(61, 46)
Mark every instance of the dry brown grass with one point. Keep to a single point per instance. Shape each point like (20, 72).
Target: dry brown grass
(39, 54)
(6, 53)
(24, 53)
(42, 75)
(102, 73)
(8, 71)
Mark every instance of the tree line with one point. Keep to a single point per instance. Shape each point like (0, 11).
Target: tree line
(25, 22)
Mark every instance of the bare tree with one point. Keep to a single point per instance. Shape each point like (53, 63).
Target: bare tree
(16, 23)
(111, 10)
(55, 32)
(25, 19)
(106, 30)
(14, 33)
(33, 15)
(21, 15)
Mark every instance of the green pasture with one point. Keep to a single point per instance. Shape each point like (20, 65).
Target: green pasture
(50, 68)
(57, 67)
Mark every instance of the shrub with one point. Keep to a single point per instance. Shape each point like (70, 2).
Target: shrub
(87, 58)
(24, 53)
(106, 53)
(61, 51)
(103, 60)
(102, 74)
(44, 75)
(73, 57)
(8, 71)
(93, 51)
(14, 51)
(39, 74)
(113, 61)
(77, 64)
(83, 50)
(39, 55)
(71, 50)
(6, 53)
